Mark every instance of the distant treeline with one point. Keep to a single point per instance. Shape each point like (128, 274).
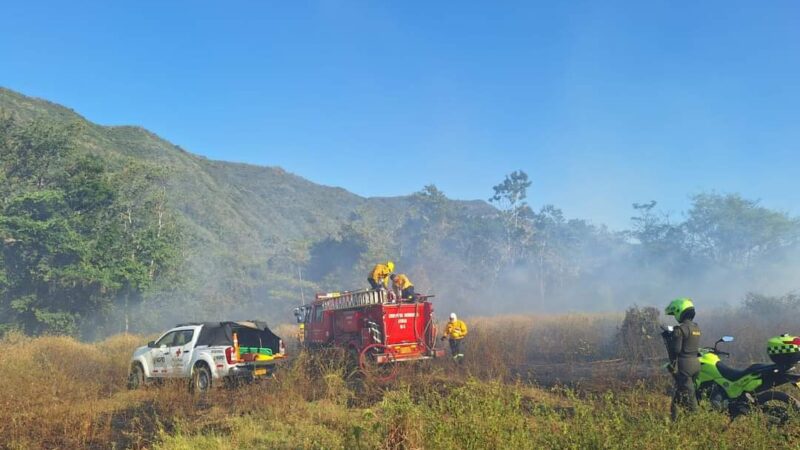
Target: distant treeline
(521, 260)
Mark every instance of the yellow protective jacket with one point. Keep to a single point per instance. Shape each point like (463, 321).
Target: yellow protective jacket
(456, 330)
(381, 274)
(402, 282)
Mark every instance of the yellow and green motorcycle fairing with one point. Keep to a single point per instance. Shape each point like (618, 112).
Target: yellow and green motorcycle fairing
(710, 373)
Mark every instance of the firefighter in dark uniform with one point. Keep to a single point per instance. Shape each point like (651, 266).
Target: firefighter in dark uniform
(683, 344)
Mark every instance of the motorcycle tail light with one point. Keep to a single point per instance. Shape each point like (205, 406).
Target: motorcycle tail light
(795, 341)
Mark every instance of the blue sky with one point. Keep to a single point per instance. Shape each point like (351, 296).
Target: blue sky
(602, 103)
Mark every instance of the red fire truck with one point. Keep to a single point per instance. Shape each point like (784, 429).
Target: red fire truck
(372, 327)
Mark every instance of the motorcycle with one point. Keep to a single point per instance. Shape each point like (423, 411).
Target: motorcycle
(739, 392)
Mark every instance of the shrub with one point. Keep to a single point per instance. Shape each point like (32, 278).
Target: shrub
(639, 336)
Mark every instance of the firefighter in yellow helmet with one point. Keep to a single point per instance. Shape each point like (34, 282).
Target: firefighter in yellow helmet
(402, 286)
(379, 277)
(455, 330)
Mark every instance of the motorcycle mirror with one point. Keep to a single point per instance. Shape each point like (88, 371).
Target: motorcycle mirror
(727, 339)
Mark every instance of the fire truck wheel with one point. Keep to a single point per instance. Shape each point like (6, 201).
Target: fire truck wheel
(377, 362)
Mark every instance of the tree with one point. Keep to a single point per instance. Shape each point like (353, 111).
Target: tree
(731, 230)
(551, 246)
(510, 197)
(49, 283)
(74, 235)
(661, 242)
(146, 239)
(433, 206)
(428, 224)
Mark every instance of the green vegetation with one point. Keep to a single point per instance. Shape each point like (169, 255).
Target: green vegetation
(78, 240)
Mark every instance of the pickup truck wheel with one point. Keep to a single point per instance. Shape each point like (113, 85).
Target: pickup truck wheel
(201, 379)
(136, 377)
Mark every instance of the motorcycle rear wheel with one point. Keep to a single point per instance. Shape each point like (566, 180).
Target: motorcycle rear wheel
(777, 406)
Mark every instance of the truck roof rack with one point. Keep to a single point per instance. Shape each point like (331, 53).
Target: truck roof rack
(354, 299)
(350, 299)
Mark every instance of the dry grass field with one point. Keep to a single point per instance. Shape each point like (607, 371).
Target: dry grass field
(527, 382)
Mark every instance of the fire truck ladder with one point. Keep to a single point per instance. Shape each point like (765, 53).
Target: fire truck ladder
(345, 300)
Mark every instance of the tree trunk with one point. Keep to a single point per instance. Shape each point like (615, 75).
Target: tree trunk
(126, 312)
(541, 275)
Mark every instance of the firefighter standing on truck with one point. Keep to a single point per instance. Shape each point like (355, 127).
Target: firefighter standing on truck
(683, 344)
(379, 277)
(456, 330)
(402, 286)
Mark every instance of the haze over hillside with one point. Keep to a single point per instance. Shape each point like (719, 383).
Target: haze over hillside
(246, 221)
(258, 240)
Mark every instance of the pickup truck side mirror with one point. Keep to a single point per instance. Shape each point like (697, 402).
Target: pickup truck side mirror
(151, 344)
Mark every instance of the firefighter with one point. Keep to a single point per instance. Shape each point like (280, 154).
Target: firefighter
(402, 286)
(683, 344)
(379, 277)
(456, 330)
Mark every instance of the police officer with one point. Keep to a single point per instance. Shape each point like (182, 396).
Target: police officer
(683, 344)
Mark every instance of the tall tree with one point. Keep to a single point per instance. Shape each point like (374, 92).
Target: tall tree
(49, 282)
(146, 237)
(510, 197)
(74, 236)
(551, 247)
(661, 242)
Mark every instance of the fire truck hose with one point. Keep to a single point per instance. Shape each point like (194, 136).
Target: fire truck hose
(389, 352)
(425, 332)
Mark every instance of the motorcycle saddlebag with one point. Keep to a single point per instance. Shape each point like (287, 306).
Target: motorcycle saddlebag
(784, 349)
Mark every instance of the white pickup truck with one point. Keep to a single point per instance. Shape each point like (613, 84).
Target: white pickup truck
(208, 352)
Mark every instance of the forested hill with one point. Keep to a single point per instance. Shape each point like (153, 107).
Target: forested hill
(111, 228)
(226, 201)
(250, 231)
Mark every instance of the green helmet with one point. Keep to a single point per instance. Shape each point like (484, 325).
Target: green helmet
(678, 306)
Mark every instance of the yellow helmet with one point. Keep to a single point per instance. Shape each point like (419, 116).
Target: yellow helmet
(390, 265)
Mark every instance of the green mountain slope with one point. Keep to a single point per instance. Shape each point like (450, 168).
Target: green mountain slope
(253, 229)
(226, 199)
